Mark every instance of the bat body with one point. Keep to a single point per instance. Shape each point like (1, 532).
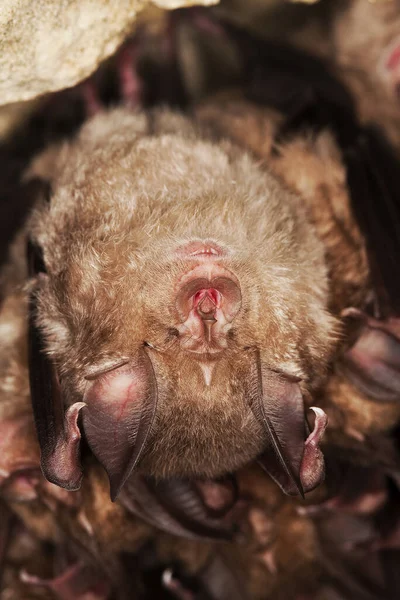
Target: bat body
(162, 321)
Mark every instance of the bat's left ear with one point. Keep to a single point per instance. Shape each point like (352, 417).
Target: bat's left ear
(119, 411)
(58, 431)
(293, 458)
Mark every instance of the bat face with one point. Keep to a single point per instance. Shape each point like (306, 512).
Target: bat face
(183, 305)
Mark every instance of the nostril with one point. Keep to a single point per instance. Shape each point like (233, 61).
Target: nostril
(211, 289)
(214, 296)
(198, 297)
(207, 300)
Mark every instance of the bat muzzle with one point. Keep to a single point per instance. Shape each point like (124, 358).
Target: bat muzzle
(208, 300)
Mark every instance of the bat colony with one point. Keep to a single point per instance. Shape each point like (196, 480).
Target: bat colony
(200, 335)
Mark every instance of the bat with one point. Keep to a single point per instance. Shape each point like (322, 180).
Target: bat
(133, 384)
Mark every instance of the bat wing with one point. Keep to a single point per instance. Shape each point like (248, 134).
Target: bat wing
(175, 506)
(373, 174)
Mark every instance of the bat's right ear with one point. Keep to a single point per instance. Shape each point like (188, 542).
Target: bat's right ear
(58, 432)
(293, 458)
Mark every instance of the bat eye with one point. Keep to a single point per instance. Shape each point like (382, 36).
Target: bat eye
(35, 259)
(172, 333)
(149, 345)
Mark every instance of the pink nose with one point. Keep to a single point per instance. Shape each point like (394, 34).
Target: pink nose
(207, 296)
(207, 305)
(206, 302)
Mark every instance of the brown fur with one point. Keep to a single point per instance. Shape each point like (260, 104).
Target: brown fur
(124, 197)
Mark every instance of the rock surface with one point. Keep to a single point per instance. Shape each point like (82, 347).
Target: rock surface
(49, 45)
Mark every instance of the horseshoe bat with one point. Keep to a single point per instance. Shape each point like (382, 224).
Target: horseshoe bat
(159, 335)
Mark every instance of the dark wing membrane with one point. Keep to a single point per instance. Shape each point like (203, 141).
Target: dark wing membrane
(373, 174)
(175, 506)
(58, 434)
(298, 84)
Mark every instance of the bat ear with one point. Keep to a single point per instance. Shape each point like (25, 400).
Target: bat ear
(372, 363)
(58, 431)
(119, 411)
(292, 459)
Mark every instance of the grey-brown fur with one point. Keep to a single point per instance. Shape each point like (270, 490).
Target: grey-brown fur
(128, 191)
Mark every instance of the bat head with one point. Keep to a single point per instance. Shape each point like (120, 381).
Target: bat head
(183, 306)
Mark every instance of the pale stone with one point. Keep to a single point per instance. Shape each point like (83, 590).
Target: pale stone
(48, 45)
(172, 4)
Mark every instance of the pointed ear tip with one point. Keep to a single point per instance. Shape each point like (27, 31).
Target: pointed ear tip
(114, 495)
(115, 486)
(300, 488)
